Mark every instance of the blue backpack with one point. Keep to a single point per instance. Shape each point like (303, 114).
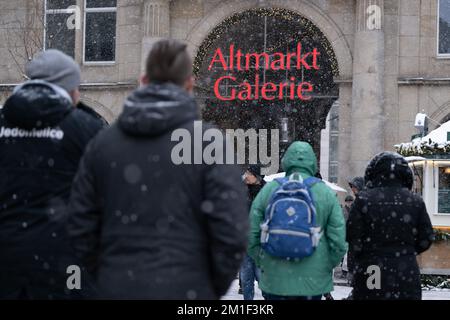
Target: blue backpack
(290, 229)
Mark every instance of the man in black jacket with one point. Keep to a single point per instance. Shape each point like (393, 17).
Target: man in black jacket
(387, 227)
(146, 227)
(42, 138)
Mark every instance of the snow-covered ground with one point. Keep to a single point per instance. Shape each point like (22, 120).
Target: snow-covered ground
(339, 293)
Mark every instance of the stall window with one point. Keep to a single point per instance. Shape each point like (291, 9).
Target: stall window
(444, 190)
(418, 179)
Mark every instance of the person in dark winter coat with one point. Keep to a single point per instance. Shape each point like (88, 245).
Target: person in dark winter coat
(42, 138)
(249, 272)
(357, 184)
(348, 202)
(83, 107)
(146, 227)
(254, 181)
(347, 206)
(387, 228)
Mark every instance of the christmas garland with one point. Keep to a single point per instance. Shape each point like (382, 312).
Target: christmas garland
(440, 235)
(430, 282)
(423, 148)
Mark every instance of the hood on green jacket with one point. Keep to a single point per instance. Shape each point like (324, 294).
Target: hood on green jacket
(299, 157)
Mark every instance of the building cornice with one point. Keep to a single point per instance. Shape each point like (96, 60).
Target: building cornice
(421, 81)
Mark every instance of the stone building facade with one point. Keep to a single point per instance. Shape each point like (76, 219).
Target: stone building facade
(389, 68)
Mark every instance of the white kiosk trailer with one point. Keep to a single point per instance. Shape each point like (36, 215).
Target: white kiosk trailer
(429, 159)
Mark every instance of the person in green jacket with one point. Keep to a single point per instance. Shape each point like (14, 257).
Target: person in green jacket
(310, 277)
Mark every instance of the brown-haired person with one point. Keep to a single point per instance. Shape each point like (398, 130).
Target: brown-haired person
(146, 227)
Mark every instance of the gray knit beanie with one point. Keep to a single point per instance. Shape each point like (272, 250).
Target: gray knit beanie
(55, 67)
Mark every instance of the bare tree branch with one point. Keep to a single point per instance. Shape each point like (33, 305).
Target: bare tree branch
(24, 34)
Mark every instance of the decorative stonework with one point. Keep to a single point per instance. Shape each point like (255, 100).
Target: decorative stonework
(156, 18)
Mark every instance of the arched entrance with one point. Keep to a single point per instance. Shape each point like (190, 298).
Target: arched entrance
(269, 30)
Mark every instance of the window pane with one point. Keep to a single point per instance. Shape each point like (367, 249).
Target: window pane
(444, 26)
(60, 4)
(58, 35)
(100, 3)
(418, 180)
(444, 190)
(100, 36)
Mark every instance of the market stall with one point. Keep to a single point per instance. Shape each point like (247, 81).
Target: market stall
(429, 159)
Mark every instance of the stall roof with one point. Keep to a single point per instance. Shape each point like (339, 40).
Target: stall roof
(434, 143)
(414, 158)
(438, 135)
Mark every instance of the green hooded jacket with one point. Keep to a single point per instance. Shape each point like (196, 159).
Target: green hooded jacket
(309, 276)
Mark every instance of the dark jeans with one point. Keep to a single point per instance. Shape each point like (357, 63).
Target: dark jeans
(269, 296)
(248, 274)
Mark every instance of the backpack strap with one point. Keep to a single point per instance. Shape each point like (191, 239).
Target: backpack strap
(311, 181)
(289, 178)
(308, 182)
(316, 231)
(281, 181)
